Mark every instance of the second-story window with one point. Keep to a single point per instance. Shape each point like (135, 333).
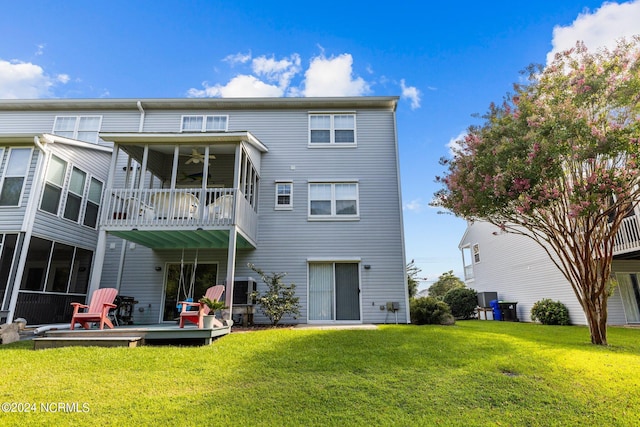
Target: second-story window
(93, 203)
(74, 195)
(332, 129)
(53, 185)
(203, 123)
(15, 173)
(333, 200)
(82, 128)
(284, 195)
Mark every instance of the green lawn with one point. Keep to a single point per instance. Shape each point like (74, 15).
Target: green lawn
(473, 373)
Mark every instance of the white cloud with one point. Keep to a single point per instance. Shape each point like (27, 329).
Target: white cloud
(26, 80)
(271, 77)
(333, 77)
(454, 143)
(414, 205)
(238, 58)
(598, 29)
(412, 93)
(241, 86)
(282, 71)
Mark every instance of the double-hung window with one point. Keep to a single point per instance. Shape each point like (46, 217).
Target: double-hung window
(74, 195)
(332, 129)
(284, 195)
(15, 173)
(82, 128)
(54, 182)
(333, 200)
(93, 203)
(203, 123)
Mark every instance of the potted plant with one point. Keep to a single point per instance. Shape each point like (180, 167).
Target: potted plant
(209, 321)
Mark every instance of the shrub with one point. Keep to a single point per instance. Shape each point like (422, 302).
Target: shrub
(550, 312)
(429, 310)
(462, 301)
(279, 299)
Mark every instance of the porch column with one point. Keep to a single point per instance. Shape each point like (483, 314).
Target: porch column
(98, 263)
(22, 245)
(231, 270)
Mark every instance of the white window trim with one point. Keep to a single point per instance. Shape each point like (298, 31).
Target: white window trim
(467, 263)
(333, 216)
(289, 206)
(63, 188)
(86, 201)
(64, 194)
(475, 251)
(81, 195)
(332, 129)
(204, 123)
(76, 127)
(4, 174)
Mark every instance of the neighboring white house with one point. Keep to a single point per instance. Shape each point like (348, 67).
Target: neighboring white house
(519, 270)
(162, 198)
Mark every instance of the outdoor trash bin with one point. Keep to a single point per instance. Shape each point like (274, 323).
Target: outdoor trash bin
(497, 315)
(508, 311)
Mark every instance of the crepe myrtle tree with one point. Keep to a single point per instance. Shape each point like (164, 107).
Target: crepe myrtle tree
(557, 162)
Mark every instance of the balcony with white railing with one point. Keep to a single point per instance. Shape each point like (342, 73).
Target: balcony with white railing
(627, 239)
(183, 211)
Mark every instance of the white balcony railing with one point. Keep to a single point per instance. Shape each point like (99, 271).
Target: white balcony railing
(179, 209)
(628, 236)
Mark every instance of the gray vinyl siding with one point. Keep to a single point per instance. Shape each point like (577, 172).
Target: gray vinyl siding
(287, 239)
(519, 270)
(12, 218)
(45, 224)
(38, 122)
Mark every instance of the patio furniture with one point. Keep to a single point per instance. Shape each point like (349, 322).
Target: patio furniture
(221, 208)
(213, 293)
(185, 205)
(96, 311)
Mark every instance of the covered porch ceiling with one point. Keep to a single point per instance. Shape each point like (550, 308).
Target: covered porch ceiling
(179, 239)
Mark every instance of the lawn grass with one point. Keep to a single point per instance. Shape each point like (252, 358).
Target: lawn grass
(473, 373)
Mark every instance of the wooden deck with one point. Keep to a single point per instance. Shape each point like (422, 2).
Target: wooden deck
(130, 336)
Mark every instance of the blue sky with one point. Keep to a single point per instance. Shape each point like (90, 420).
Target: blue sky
(446, 60)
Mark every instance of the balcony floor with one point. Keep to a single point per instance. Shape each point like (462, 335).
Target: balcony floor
(183, 238)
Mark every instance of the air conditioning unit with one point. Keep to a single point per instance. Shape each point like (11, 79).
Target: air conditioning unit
(243, 287)
(485, 298)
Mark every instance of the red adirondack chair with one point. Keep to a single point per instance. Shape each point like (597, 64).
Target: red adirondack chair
(213, 293)
(97, 310)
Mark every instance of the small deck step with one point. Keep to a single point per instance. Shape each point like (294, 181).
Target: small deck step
(57, 342)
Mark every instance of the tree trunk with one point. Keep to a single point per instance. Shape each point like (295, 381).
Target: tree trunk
(596, 312)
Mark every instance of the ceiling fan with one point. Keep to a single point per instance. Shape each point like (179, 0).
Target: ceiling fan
(195, 157)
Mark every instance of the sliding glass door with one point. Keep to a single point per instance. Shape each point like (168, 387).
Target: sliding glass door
(629, 285)
(334, 291)
(182, 283)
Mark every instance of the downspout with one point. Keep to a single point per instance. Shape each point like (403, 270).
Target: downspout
(142, 114)
(38, 143)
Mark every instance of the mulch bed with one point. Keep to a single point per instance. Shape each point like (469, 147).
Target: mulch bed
(254, 328)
